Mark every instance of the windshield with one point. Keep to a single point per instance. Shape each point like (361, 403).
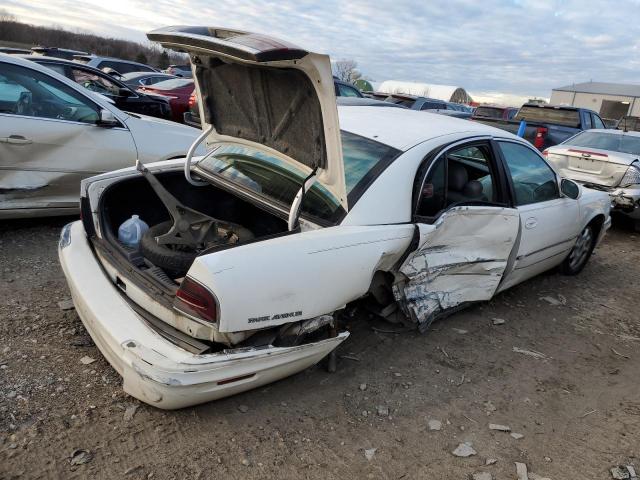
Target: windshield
(556, 116)
(279, 181)
(607, 141)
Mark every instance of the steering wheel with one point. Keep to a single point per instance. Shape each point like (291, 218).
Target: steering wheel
(24, 105)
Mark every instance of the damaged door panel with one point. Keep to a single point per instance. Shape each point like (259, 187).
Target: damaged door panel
(459, 259)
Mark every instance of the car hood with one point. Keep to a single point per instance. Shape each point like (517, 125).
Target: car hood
(265, 93)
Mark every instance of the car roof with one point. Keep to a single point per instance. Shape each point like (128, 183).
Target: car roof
(403, 128)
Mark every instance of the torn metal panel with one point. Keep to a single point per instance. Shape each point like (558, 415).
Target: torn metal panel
(460, 259)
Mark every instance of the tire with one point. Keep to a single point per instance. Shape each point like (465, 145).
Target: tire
(175, 263)
(580, 253)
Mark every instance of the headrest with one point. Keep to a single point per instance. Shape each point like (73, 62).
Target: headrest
(473, 189)
(457, 176)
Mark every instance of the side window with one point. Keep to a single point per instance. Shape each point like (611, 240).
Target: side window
(460, 176)
(597, 123)
(533, 180)
(344, 91)
(56, 68)
(31, 93)
(587, 121)
(95, 83)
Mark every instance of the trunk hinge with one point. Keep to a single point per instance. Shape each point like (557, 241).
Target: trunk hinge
(294, 212)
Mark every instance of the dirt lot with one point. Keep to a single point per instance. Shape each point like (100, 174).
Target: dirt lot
(576, 401)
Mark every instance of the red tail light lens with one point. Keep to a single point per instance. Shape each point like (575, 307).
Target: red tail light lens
(192, 100)
(538, 142)
(195, 300)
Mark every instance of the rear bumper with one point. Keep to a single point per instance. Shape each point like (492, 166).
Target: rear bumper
(153, 369)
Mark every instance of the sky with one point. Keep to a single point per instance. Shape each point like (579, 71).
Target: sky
(524, 47)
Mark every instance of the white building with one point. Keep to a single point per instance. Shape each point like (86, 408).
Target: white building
(610, 100)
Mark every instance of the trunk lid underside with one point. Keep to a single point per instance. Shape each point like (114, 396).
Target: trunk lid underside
(265, 93)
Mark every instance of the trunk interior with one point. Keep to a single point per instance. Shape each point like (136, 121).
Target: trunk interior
(135, 196)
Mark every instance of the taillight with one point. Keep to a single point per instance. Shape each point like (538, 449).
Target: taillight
(195, 300)
(192, 100)
(538, 142)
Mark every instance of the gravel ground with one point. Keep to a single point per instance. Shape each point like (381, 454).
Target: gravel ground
(564, 376)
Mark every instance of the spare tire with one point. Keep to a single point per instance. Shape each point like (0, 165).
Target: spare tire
(176, 262)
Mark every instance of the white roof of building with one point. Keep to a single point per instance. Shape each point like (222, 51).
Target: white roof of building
(403, 128)
(440, 92)
(603, 88)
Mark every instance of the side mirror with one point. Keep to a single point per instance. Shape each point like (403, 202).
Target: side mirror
(107, 119)
(569, 188)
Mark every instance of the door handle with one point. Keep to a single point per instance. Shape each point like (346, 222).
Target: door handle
(16, 140)
(531, 222)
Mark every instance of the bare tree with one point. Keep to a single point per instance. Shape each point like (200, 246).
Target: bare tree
(5, 16)
(346, 70)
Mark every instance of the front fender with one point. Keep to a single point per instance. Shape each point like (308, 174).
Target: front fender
(299, 275)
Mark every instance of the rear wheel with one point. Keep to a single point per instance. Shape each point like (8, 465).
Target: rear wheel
(580, 253)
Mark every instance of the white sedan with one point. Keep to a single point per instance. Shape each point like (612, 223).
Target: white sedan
(300, 208)
(54, 133)
(606, 160)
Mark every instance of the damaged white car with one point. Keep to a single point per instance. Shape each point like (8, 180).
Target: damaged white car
(255, 249)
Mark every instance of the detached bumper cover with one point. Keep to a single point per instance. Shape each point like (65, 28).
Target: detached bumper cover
(626, 200)
(154, 370)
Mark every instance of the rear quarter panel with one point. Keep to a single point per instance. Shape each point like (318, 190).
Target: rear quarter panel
(298, 276)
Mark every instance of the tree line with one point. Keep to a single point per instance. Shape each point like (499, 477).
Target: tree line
(11, 30)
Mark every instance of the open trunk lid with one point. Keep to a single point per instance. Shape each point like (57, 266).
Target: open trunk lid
(265, 93)
(591, 165)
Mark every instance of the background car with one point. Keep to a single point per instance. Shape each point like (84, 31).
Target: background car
(177, 91)
(54, 133)
(344, 89)
(118, 64)
(56, 52)
(143, 79)
(547, 125)
(606, 160)
(180, 71)
(493, 111)
(100, 82)
(434, 105)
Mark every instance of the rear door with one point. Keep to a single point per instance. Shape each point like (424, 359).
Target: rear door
(465, 232)
(267, 94)
(49, 141)
(549, 222)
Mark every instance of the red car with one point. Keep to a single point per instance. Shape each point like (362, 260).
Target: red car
(177, 91)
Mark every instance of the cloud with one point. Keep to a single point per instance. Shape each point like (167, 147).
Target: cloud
(516, 46)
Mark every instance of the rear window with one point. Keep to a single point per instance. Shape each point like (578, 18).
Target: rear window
(607, 141)
(279, 182)
(556, 116)
(488, 112)
(173, 83)
(629, 123)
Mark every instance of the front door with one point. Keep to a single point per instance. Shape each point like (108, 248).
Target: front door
(50, 140)
(466, 232)
(549, 222)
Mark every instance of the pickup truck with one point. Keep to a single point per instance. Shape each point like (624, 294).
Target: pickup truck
(547, 125)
